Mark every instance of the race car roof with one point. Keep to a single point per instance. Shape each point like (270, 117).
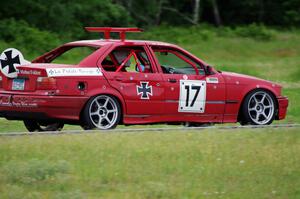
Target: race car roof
(103, 42)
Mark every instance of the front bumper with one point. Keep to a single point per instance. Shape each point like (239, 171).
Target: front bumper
(283, 104)
(14, 106)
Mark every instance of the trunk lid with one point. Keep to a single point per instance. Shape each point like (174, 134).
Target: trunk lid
(31, 78)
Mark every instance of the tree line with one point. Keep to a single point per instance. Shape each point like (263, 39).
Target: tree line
(58, 15)
(44, 23)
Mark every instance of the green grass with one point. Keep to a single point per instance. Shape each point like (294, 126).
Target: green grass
(293, 114)
(259, 163)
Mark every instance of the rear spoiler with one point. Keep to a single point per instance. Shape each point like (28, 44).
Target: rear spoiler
(107, 30)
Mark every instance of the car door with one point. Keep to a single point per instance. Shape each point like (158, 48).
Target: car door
(190, 93)
(129, 70)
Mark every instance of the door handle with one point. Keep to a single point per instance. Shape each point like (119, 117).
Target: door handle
(119, 79)
(171, 80)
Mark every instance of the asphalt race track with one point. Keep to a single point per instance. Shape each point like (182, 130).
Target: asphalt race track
(157, 130)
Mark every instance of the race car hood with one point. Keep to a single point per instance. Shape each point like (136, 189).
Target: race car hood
(234, 78)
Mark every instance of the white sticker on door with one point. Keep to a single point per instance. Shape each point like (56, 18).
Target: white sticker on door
(192, 96)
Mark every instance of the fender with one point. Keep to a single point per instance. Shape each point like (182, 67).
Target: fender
(237, 87)
(275, 90)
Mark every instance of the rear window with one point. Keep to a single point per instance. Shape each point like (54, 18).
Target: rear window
(73, 55)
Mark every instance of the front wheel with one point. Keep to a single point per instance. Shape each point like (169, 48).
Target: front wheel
(258, 108)
(32, 126)
(102, 112)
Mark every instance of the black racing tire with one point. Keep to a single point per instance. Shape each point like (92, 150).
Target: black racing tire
(258, 108)
(101, 112)
(35, 126)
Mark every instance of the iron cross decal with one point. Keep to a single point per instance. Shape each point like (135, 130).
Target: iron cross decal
(9, 61)
(144, 90)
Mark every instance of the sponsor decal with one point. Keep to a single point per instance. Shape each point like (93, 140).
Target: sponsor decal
(192, 96)
(10, 59)
(212, 80)
(64, 72)
(144, 90)
(29, 72)
(17, 101)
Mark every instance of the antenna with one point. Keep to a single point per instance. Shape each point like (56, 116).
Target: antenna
(107, 30)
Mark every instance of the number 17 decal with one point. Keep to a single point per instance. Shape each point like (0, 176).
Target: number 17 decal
(192, 96)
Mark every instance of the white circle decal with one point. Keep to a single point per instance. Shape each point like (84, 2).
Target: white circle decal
(10, 59)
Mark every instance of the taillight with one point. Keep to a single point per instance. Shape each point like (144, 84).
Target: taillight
(0, 81)
(46, 83)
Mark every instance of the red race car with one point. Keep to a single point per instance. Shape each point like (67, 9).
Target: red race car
(111, 82)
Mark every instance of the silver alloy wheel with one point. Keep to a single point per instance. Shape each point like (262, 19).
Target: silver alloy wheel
(103, 112)
(261, 107)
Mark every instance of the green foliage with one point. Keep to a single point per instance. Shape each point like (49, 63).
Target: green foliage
(206, 32)
(173, 34)
(232, 12)
(21, 35)
(38, 25)
(291, 12)
(66, 17)
(34, 170)
(255, 31)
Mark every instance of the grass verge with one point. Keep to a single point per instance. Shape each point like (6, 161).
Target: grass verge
(246, 163)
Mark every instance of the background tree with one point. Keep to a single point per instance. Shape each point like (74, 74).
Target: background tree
(65, 18)
(196, 11)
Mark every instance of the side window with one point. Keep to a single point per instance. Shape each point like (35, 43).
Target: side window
(174, 62)
(127, 59)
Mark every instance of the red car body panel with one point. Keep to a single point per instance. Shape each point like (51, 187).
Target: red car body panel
(65, 101)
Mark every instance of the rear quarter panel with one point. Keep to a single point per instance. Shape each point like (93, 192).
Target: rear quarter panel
(93, 86)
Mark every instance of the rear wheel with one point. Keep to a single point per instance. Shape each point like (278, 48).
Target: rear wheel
(102, 112)
(32, 126)
(259, 108)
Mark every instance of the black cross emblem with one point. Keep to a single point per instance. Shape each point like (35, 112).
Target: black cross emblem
(51, 72)
(9, 61)
(144, 90)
